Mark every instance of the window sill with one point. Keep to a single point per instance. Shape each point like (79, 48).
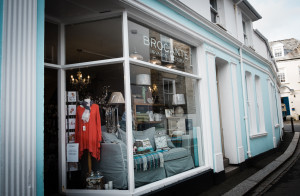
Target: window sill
(253, 136)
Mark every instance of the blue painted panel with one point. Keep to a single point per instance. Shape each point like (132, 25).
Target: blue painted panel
(40, 98)
(265, 143)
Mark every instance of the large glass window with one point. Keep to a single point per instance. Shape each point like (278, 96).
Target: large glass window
(96, 40)
(153, 47)
(96, 153)
(51, 42)
(166, 128)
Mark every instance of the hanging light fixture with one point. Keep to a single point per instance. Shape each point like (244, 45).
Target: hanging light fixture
(155, 61)
(135, 55)
(79, 79)
(171, 66)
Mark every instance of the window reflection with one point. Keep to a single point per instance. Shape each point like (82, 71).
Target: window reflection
(166, 128)
(150, 46)
(95, 40)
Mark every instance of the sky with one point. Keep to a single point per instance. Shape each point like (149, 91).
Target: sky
(280, 18)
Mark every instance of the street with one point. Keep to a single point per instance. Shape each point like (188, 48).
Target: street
(289, 183)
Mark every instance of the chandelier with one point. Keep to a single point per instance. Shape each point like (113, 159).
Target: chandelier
(79, 79)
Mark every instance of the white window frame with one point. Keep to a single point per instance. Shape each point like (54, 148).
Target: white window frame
(247, 30)
(281, 76)
(127, 62)
(278, 50)
(214, 10)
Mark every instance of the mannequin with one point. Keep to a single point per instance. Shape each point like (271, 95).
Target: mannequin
(88, 130)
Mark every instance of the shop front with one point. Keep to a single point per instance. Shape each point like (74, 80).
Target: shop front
(126, 91)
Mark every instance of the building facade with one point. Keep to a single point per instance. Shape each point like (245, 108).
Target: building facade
(132, 96)
(286, 53)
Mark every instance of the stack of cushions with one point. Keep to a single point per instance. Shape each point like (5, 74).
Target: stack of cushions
(146, 140)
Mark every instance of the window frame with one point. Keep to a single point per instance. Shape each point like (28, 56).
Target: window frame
(61, 66)
(214, 11)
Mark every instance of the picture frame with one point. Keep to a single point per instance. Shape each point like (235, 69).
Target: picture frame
(169, 112)
(72, 96)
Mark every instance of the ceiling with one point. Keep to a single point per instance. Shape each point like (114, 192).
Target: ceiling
(68, 10)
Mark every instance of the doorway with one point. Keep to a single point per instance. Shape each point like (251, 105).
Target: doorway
(285, 100)
(226, 111)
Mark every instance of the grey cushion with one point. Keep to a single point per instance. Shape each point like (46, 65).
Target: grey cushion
(148, 133)
(122, 136)
(175, 153)
(110, 138)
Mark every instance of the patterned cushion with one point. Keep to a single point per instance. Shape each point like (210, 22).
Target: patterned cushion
(160, 141)
(143, 145)
(148, 133)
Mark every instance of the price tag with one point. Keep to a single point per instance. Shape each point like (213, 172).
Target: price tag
(83, 128)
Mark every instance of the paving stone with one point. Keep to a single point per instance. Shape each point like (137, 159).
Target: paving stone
(241, 188)
(283, 157)
(261, 174)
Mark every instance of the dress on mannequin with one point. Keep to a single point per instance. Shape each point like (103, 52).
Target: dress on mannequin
(88, 133)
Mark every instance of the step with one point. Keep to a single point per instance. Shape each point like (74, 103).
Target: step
(226, 162)
(231, 170)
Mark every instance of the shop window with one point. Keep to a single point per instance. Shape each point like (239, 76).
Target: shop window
(51, 42)
(151, 46)
(166, 133)
(96, 40)
(96, 150)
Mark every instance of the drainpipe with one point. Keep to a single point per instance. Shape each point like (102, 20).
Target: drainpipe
(245, 101)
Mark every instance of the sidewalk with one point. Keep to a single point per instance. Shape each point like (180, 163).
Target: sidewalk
(239, 183)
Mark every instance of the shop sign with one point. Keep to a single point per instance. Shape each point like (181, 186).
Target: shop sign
(164, 50)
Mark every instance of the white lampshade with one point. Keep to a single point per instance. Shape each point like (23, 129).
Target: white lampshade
(136, 56)
(143, 79)
(178, 99)
(155, 61)
(116, 98)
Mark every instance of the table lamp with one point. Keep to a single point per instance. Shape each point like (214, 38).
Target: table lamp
(116, 98)
(143, 80)
(178, 99)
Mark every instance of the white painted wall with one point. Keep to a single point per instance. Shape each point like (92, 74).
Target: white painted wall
(292, 76)
(260, 46)
(201, 7)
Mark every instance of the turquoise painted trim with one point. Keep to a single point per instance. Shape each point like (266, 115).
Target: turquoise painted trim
(40, 98)
(1, 29)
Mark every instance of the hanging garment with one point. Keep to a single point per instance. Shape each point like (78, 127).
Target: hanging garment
(88, 134)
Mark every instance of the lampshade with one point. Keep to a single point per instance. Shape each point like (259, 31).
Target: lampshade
(171, 66)
(136, 56)
(178, 99)
(155, 61)
(116, 98)
(143, 79)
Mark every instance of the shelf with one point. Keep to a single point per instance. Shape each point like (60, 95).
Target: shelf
(151, 104)
(150, 122)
